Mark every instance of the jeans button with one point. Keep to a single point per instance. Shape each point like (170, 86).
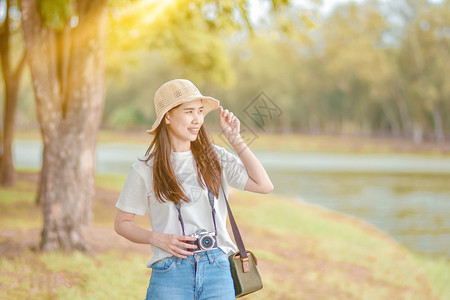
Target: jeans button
(198, 255)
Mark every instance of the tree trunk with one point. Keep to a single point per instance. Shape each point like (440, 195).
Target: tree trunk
(417, 133)
(404, 114)
(438, 127)
(391, 118)
(67, 70)
(7, 173)
(314, 127)
(11, 80)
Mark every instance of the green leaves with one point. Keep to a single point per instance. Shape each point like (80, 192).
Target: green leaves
(56, 13)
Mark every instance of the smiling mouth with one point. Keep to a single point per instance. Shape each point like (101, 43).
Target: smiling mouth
(194, 131)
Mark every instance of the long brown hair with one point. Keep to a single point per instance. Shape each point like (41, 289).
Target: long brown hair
(165, 184)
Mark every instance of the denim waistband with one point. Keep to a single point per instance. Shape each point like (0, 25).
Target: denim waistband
(203, 256)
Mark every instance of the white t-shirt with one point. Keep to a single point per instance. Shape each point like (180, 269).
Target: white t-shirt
(137, 197)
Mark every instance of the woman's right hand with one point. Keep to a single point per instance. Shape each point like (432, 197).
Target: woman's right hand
(173, 243)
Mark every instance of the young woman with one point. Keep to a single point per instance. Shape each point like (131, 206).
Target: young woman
(180, 175)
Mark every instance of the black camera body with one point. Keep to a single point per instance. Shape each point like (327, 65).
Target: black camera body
(205, 241)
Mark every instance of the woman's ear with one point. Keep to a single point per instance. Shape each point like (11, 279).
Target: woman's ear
(167, 119)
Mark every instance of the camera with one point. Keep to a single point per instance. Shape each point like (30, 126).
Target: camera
(205, 240)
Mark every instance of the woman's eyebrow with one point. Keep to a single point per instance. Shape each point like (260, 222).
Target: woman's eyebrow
(192, 108)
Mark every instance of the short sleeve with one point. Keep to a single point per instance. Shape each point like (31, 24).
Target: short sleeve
(234, 170)
(133, 198)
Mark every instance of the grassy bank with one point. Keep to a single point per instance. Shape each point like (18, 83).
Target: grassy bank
(304, 252)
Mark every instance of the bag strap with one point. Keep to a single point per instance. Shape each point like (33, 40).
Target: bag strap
(236, 233)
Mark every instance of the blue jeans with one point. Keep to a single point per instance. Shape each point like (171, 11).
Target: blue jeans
(204, 275)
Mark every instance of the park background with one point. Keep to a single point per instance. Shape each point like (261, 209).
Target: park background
(346, 103)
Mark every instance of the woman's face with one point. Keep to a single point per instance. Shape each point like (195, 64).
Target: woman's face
(184, 124)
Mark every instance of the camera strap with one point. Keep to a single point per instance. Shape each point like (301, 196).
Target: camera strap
(236, 233)
(213, 212)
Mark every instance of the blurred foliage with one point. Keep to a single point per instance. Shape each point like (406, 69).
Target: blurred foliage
(55, 13)
(167, 27)
(366, 68)
(151, 42)
(191, 35)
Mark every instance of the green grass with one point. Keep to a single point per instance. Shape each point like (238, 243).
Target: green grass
(23, 191)
(437, 270)
(74, 276)
(348, 244)
(304, 252)
(110, 181)
(18, 208)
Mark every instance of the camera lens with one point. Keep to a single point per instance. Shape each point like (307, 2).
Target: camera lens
(206, 242)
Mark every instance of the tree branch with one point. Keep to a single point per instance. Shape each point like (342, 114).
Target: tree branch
(244, 12)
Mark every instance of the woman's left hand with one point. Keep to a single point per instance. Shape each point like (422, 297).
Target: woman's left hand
(230, 125)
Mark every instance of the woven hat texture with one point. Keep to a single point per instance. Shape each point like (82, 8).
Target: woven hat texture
(176, 92)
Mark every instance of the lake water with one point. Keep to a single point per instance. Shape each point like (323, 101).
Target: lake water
(407, 196)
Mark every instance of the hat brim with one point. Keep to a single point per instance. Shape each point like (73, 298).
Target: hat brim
(209, 105)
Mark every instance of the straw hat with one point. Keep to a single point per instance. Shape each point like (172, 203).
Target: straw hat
(176, 92)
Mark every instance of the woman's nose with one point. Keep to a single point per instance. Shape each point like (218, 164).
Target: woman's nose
(198, 117)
